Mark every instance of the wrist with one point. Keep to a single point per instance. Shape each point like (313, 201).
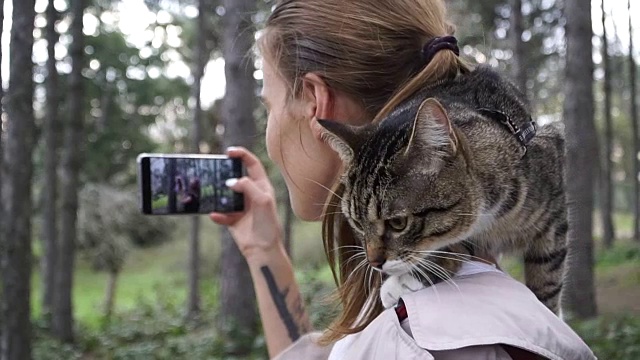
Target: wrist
(261, 255)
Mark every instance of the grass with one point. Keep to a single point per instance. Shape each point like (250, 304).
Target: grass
(146, 275)
(158, 276)
(160, 203)
(162, 271)
(622, 221)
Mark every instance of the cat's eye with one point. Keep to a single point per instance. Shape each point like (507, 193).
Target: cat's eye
(397, 223)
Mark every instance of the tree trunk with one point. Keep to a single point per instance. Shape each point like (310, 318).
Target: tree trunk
(519, 68)
(2, 249)
(636, 132)
(110, 294)
(237, 297)
(62, 319)
(193, 303)
(201, 55)
(16, 253)
(105, 105)
(50, 192)
(608, 234)
(582, 148)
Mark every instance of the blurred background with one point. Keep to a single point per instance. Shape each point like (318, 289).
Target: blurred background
(87, 85)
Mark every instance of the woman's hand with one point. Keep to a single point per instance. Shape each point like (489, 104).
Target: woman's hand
(257, 229)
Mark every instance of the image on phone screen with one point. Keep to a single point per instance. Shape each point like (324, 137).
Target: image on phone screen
(189, 185)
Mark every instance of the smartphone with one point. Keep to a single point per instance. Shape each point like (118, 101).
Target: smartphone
(182, 184)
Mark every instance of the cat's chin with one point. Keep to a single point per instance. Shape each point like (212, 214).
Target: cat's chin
(394, 287)
(396, 268)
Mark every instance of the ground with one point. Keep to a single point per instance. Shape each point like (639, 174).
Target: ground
(155, 280)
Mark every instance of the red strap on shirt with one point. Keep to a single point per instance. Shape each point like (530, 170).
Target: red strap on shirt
(401, 310)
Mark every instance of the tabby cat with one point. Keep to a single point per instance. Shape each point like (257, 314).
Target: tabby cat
(452, 170)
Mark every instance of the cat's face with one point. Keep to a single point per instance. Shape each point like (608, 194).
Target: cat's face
(407, 188)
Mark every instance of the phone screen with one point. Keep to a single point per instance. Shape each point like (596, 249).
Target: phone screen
(188, 184)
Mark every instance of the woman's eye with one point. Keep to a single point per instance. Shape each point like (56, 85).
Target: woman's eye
(397, 224)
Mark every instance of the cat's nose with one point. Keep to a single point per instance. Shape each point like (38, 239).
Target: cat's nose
(377, 262)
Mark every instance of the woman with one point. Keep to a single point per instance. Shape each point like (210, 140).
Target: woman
(190, 198)
(352, 62)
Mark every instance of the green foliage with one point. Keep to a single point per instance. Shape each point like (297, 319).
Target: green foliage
(154, 330)
(621, 253)
(47, 348)
(317, 287)
(109, 221)
(616, 338)
(128, 90)
(160, 202)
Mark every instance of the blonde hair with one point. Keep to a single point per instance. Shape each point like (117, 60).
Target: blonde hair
(370, 50)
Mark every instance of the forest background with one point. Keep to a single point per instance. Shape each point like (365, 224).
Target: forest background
(87, 85)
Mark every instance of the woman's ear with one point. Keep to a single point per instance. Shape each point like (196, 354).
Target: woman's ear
(318, 102)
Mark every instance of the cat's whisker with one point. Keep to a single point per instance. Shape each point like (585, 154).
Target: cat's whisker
(355, 252)
(333, 213)
(462, 260)
(351, 251)
(425, 276)
(420, 262)
(429, 268)
(325, 204)
(358, 268)
(350, 248)
(352, 258)
(437, 270)
(464, 256)
(444, 274)
(326, 188)
(358, 247)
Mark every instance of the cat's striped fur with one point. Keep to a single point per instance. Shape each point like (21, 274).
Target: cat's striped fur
(438, 175)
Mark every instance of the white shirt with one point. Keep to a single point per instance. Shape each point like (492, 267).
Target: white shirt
(479, 318)
(468, 268)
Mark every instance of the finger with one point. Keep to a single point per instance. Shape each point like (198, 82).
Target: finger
(244, 185)
(254, 166)
(225, 219)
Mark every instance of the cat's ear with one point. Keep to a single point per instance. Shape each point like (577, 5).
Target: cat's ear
(432, 129)
(343, 139)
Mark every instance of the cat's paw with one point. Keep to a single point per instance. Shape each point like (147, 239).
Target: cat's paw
(395, 286)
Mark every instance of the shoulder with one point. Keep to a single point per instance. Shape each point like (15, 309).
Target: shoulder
(385, 339)
(489, 308)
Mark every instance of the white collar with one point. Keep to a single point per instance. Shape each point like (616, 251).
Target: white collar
(476, 267)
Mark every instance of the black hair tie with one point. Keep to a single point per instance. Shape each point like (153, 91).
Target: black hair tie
(436, 44)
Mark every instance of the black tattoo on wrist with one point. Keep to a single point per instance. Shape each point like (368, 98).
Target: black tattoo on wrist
(279, 298)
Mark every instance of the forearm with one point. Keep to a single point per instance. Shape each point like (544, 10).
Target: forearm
(284, 318)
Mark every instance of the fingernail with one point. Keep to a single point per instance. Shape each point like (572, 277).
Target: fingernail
(232, 148)
(231, 182)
